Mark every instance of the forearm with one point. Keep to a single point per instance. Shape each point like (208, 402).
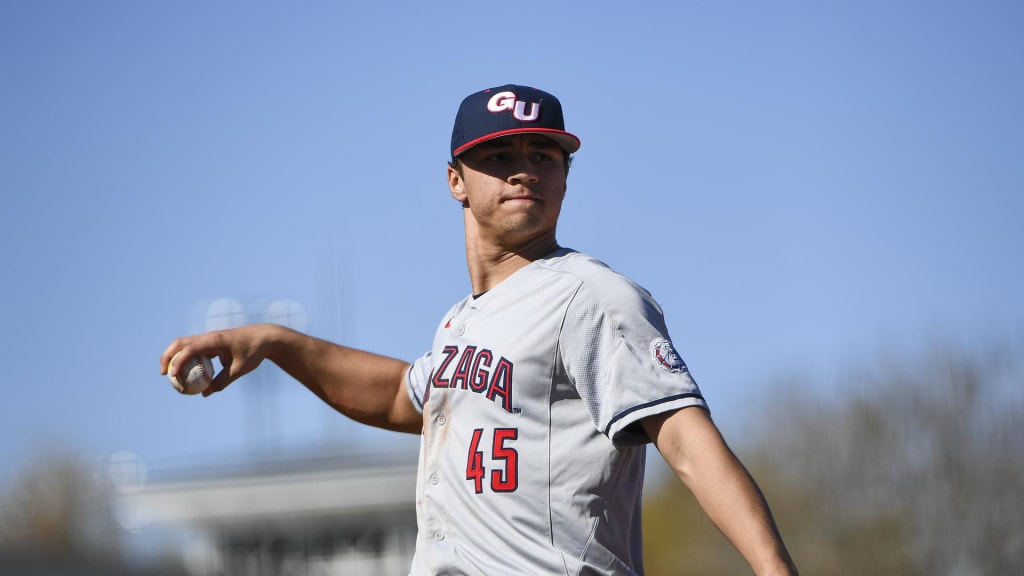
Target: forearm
(366, 387)
(695, 450)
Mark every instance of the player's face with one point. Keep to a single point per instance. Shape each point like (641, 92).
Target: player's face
(513, 187)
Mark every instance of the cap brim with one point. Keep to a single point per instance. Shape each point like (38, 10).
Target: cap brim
(565, 140)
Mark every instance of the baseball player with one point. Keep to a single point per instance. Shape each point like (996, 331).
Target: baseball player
(541, 389)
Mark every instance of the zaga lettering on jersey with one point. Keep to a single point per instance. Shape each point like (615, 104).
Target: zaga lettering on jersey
(466, 368)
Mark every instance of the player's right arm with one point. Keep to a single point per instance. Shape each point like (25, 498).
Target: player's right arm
(363, 386)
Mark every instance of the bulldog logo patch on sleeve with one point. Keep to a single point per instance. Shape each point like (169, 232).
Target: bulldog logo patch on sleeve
(666, 356)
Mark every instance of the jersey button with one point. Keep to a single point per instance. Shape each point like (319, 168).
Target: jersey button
(434, 479)
(461, 330)
(441, 420)
(438, 536)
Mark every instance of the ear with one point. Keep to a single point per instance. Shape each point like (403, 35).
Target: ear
(457, 185)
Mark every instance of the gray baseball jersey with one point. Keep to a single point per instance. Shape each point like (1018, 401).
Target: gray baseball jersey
(532, 457)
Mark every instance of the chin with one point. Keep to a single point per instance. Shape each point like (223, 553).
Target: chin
(523, 224)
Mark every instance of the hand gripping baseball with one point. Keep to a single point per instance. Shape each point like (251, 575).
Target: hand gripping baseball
(240, 351)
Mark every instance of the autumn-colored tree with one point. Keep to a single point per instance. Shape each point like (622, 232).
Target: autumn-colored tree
(56, 507)
(912, 466)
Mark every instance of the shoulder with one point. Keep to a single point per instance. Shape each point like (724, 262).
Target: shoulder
(595, 276)
(600, 286)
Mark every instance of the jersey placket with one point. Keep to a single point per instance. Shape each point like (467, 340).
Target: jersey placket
(436, 484)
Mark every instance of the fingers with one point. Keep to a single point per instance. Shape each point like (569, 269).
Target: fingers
(181, 350)
(169, 353)
(238, 350)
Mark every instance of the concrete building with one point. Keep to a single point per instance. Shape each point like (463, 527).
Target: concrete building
(326, 515)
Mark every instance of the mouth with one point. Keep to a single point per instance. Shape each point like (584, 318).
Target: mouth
(522, 198)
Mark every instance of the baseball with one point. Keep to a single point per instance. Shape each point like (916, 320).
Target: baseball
(195, 376)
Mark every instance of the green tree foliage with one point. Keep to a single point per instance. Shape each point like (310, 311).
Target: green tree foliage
(914, 466)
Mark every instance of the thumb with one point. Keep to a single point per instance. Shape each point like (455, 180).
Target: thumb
(222, 379)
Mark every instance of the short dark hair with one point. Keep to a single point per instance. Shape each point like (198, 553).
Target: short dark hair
(456, 162)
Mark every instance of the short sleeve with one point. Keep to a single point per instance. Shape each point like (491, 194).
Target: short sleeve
(416, 380)
(616, 350)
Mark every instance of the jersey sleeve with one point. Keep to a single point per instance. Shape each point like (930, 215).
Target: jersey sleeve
(416, 380)
(616, 350)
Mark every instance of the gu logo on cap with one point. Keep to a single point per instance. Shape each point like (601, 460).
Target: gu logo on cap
(510, 109)
(507, 101)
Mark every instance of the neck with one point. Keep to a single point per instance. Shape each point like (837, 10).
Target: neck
(491, 262)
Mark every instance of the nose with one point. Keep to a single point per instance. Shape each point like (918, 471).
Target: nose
(523, 173)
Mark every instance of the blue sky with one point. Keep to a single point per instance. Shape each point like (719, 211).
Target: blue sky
(801, 185)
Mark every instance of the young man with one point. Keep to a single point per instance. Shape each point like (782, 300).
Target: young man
(542, 388)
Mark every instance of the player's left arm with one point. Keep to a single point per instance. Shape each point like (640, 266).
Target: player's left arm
(694, 448)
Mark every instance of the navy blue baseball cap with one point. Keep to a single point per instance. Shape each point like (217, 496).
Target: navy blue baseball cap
(509, 109)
